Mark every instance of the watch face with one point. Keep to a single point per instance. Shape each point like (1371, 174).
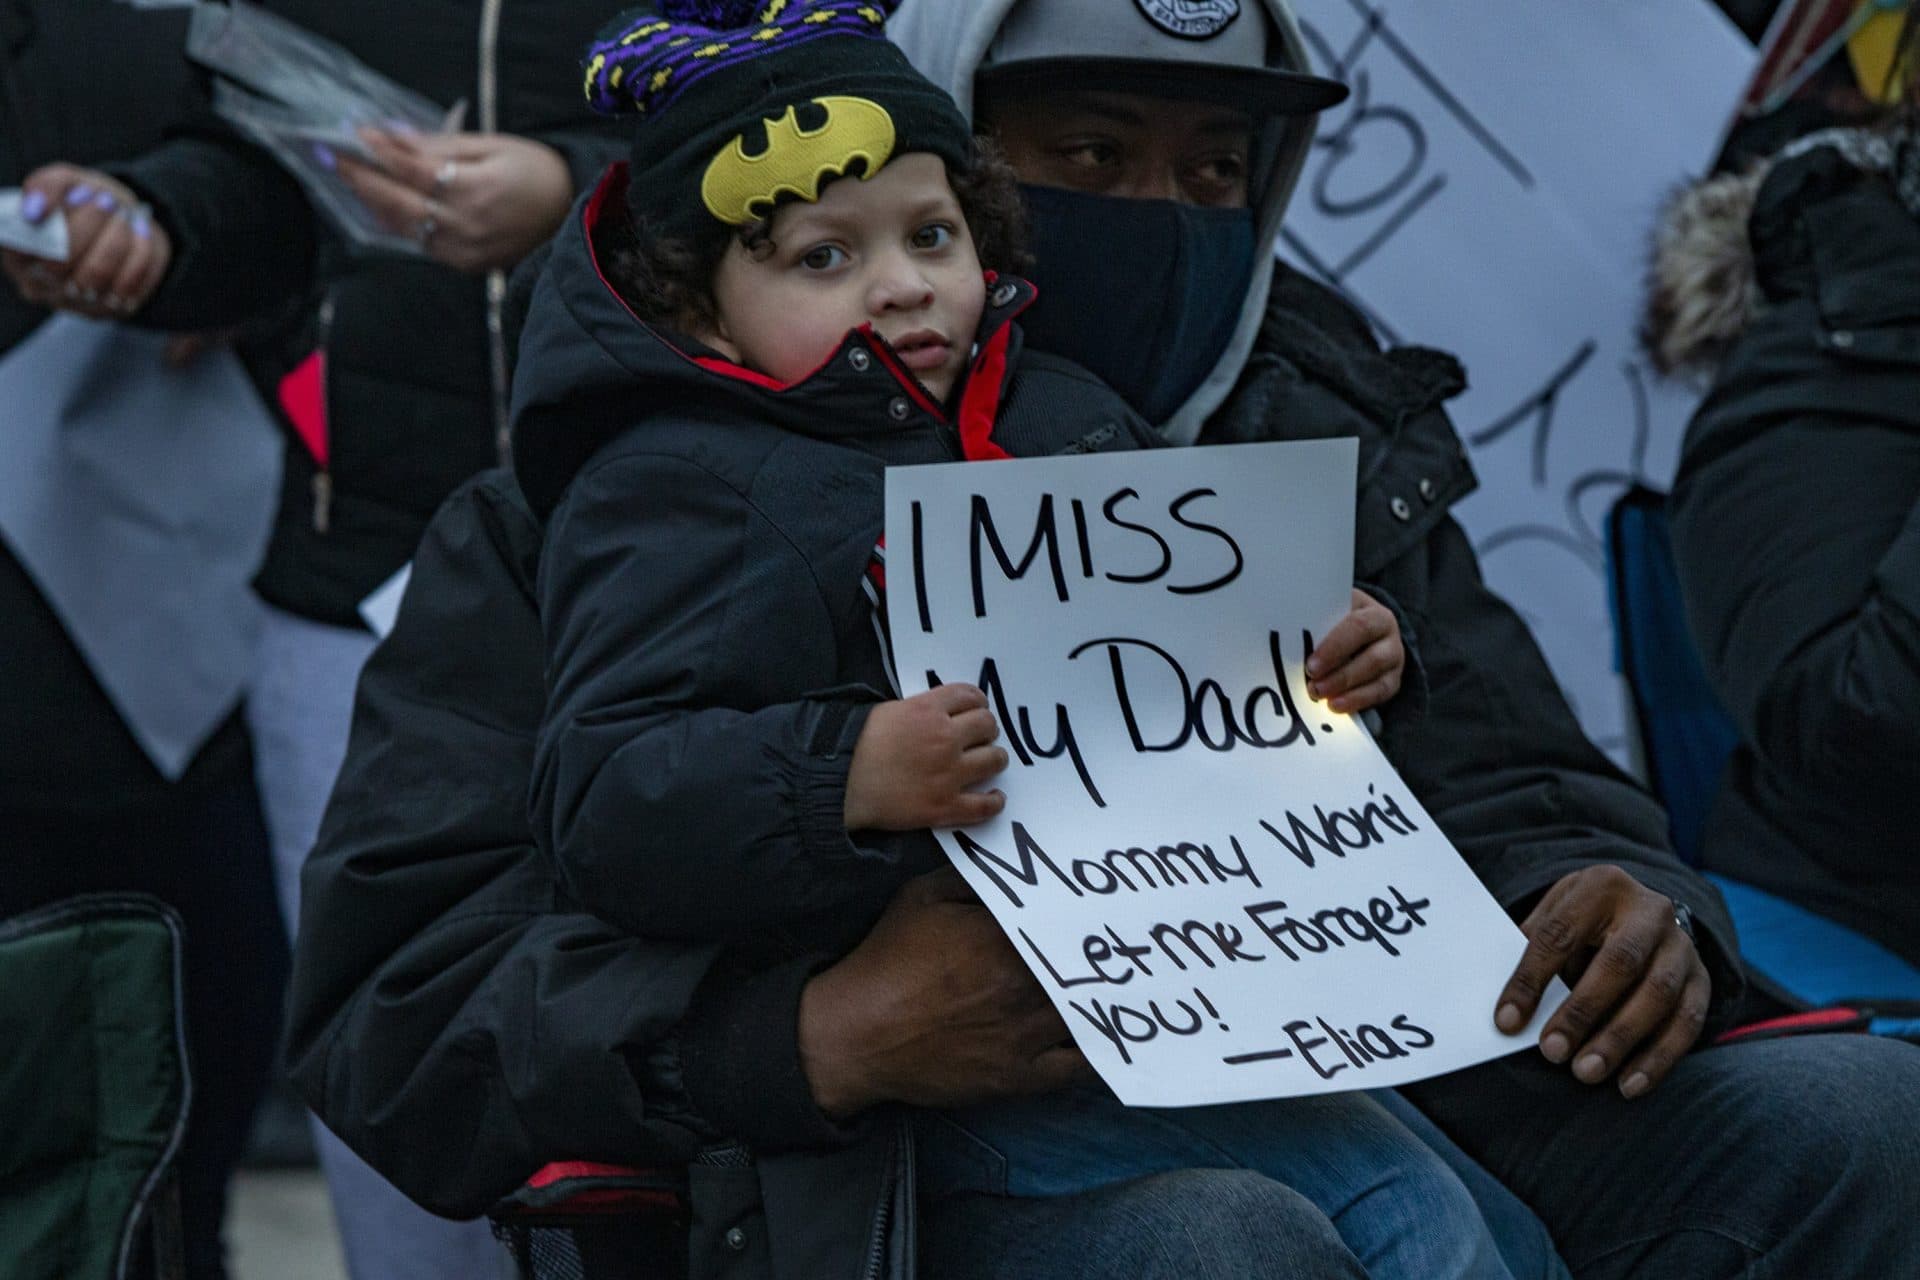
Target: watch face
(1191, 19)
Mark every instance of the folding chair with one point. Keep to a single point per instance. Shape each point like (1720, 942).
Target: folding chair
(1686, 738)
(94, 1089)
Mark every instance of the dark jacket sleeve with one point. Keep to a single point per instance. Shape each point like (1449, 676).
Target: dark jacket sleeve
(244, 238)
(1501, 763)
(588, 149)
(692, 768)
(1797, 535)
(452, 1016)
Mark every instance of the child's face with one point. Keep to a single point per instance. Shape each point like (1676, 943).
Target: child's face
(892, 251)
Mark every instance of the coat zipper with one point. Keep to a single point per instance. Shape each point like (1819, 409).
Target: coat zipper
(901, 1174)
(322, 483)
(496, 279)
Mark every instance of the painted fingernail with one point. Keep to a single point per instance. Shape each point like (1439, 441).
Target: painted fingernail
(1556, 1047)
(79, 195)
(1635, 1085)
(1591, 1069)
(33, 206)
(142, 224)
(106, 201)
(113, 302)
(324, 157)
(1509, 1019)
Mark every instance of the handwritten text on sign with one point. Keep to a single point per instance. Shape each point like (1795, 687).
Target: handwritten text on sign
(1224, 887)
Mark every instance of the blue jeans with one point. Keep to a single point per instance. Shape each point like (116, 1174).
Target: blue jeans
(299, 712)
(1198, 1224)
(1396, 1205)
(1780, 1158)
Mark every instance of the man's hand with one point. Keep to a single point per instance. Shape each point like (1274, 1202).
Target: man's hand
(474, 201)
(1359, 663)
(1640, 990)
(918, 759)
(116, 253)
(933, 1009)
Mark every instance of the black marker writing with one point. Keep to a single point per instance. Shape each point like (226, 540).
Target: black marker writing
(1266, 717)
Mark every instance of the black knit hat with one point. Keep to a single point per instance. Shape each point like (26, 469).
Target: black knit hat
(745, 103)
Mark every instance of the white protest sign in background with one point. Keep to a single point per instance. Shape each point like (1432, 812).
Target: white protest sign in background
(1223, 886)
(1490, 189)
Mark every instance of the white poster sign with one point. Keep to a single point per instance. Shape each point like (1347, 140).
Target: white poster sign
(1224, 887)
(1491, 188)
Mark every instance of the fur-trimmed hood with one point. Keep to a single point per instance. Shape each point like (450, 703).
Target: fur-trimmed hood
(1701, 292)
(1705, 283)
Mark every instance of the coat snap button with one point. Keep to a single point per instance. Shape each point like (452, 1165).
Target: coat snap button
(1428, 489)
(1004, 294)
(899, 410)
(736, 1239)
(1842, 338)
(1400, 509)
(860, 359)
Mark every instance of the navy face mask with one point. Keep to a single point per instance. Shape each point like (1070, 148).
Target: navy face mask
(1145, 294)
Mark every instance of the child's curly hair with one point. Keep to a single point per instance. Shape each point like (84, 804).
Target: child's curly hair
(668, 280)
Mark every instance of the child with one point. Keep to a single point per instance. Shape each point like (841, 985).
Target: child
(713, 380)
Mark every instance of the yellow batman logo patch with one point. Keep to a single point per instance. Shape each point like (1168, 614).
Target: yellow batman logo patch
(797, 161)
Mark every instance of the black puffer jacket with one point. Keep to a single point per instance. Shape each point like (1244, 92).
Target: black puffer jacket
(711, 651)
(1796, 523)
(415, 375)
(409, 1031)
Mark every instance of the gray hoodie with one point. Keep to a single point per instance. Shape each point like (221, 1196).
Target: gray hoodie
(948, 40)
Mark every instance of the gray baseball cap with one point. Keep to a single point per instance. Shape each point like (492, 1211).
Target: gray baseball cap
(1219, 50)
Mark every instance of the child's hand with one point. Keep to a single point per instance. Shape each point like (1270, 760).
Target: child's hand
(918, 756)
(1359, 663)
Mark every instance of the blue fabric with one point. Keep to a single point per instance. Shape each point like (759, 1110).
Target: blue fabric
(1396, 1205)
(1813, 958)
(1685, 733)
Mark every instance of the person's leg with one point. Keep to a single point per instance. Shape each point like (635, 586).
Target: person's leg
(1525, 1246)
(1192, 1225)
(1399, 1208)
(299, 710)
(235, 970)
(1797, 1157)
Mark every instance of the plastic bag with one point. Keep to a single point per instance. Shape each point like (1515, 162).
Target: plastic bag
(302, 97)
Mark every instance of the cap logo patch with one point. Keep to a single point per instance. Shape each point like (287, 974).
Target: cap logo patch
(1191, 19)
(738, 188)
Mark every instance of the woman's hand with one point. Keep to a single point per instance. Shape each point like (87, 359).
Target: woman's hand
(918, 759)
(475, 201)
(1359, 663)
(117, 255)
